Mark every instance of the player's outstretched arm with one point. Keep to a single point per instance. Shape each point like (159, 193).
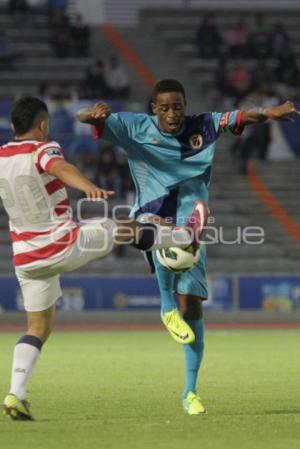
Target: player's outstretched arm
(260, 115)
(72, 177)
(94, 115)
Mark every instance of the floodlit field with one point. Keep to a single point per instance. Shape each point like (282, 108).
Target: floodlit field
(121, 390)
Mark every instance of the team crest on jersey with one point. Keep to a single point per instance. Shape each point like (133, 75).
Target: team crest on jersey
(196, 141)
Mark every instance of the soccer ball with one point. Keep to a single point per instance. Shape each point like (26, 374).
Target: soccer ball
(178, 260)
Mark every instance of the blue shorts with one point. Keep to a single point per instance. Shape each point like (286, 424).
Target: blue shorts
(179, 205)
(192, 282)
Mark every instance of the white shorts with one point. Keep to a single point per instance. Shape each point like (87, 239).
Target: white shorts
(41, 287)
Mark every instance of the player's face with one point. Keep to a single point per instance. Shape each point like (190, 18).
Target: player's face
(170, 110)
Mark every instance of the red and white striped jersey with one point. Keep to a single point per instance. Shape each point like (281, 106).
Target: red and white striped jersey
(40, 216)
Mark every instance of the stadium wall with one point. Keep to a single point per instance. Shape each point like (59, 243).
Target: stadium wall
(269, 293)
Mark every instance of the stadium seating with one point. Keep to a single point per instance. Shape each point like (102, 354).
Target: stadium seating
(163, 39)
(34, 60)
(279, 253)
(177, 31)
(126, 13)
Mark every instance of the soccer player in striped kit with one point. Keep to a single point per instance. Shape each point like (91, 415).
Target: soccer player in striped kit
(47, 240)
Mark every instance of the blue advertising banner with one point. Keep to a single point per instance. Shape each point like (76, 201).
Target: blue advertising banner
(281, 293)
(220, 293)
(114, 293)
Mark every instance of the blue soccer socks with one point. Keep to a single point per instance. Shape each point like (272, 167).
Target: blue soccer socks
(193, 356)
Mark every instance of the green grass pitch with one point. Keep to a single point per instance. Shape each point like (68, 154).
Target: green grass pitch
(122, 390)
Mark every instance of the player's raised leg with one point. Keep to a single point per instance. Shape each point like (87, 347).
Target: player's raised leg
(191, 309)
(148, 236)
(176, 326)
(180, 330)
(180, 236)
(169, 236)
(26, 354)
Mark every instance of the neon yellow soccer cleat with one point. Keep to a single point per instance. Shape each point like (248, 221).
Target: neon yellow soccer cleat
(192, 405)
(178, 328)
(15, 408)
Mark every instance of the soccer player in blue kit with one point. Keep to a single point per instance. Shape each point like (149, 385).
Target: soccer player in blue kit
(170, 157)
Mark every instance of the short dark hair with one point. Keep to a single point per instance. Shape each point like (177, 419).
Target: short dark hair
(168, 85)
(24, 112)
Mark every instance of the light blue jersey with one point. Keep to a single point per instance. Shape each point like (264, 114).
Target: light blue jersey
(170, 172)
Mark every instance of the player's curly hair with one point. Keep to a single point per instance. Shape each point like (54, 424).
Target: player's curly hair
(24, 113)
(167, 85)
